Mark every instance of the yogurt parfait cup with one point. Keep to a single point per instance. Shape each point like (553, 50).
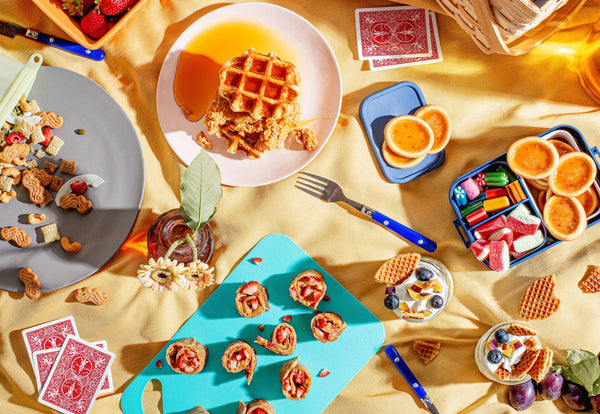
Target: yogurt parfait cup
(425, 293)
(508, 348)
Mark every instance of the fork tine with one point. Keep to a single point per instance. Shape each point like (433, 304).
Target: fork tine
(318, 177)
(306, 190)
(319, 186)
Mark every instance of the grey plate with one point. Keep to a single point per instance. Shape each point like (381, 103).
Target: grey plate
(109, 149)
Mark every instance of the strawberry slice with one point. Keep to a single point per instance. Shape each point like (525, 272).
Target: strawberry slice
(287, 318)
(159, 363)
(323, 373)
(261, 327)
(14, 138)
(79, 187)
(257, 260)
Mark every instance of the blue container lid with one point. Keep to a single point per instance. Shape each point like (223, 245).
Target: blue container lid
(377, 109)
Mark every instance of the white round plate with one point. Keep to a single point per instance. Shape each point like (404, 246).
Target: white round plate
(320, 100)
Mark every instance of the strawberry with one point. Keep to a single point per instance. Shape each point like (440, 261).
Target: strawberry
(79, 187)
(323, 373)
(114, 7)
(257, 260)
(287, 318)
(261, 327)
(159, 363)
(47, 136)
(14, 138)
(94, 24)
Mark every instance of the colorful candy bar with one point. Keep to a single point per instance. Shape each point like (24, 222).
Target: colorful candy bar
(460, 196)
(471, 188)
(496, 179)
(499, 260)
(528, 224)
(515, 192)
(496, 204)
(476, 216)
(509, 173)
(496, 192)
(471, 208)
(491, 226)
(480, 180)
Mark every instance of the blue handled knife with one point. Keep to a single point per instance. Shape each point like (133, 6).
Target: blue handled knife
(12, 30)
(410, 378)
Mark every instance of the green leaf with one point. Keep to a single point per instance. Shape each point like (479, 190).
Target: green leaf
(596, 387)
(584, 366)
(200, 191)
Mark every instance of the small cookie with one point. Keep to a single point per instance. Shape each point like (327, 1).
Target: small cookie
(427, 350)
(526, 363)
(42, 175)
(202, 140)
(35, 187)
(13, 173)
(68, 166)
(15, 154)
(413, 315)
(50, 233)
(68, 246)
(50, 119)
(77, 202)
(590, 282)
(6, 196)
(396, 270)
(502, 373)
(16, 235)
(56, 183)
(31, 282)
(35, 218)
(95, 296)
(50, 167)
(542, 365)
(520, 330)
(538, 301)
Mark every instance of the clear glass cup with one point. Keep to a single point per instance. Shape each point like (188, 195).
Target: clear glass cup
(588, 62)
(481, 356)
(170, 227)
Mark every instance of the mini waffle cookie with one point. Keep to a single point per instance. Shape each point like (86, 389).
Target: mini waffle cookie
(427, 350)
(573, 175)
(564, 217)
(590, 282)
(520, 330)
(396, 270)
(262, 85)
(413, 315)
(538, 301)
(501, 373)
(532, 157)
(526, 363)
(542, 364)
(440, 123)
(187, 356)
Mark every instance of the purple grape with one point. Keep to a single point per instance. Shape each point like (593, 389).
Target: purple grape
(551, 386)
(595, 400)
(521, 396)
(576, 397)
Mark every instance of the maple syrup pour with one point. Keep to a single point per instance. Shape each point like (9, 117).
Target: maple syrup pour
(197, 74)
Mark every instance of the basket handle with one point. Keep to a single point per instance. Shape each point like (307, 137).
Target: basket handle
(490, 31)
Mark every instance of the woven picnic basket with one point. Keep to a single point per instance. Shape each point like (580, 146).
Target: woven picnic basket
(510, 27)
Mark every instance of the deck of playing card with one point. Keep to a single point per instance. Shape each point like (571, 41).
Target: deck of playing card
(393, 37)
(70, 372)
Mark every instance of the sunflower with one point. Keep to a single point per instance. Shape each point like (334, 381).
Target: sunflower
(161, 274)
(197, 274)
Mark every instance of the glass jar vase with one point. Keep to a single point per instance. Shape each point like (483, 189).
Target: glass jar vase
(170, 227)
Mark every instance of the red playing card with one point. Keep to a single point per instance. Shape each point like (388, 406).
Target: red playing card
(386, 32)
(436, 55)
(44, 360)
(76, 376)
(48, 335)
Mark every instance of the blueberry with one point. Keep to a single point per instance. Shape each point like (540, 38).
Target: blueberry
(424, 274)
(502, 336)
(436, 301)
(495, 356)
(391, 301)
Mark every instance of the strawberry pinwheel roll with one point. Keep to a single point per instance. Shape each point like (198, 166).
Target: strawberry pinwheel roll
(295, 380)
(327, 326)
(187, 356)
(252, 299)
(256, 407)
(238, 356)
(308, 288)
(283, 340)
(198, 410)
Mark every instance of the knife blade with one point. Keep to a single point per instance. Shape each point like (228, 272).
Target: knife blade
(11, 30)
(410, 378)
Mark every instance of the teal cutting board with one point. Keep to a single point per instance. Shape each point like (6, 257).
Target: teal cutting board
(217, 323)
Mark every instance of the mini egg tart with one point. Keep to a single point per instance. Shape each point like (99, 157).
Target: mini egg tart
(561, 146)
(573, 175)
(589, 200)
(541, 199)
(439, 121)
(398, 161)
(408, 136)
(541, 184)
(532, 157)
(564, 217)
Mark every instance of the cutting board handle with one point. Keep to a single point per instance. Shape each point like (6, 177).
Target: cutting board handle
(131, 401)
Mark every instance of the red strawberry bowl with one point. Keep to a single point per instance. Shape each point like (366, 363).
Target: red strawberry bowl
(91, 23)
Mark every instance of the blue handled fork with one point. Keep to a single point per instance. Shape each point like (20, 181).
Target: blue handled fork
(330, 191)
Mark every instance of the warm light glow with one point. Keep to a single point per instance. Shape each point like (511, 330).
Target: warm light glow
(136, 244)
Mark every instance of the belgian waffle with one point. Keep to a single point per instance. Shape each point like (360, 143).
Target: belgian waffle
(427, 350)
(262, 85)
(396, 270)
(538, 301)
(542, 364)
(590, 282)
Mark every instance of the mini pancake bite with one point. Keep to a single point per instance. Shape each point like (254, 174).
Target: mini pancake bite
(398, 161)
(439, 121)
(408, 136)
(564, 217)
(532, 157)
(573, 175)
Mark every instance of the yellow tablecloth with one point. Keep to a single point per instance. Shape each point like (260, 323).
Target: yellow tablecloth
(492, 100)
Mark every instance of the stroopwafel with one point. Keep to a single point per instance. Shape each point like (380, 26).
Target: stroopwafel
(502, 373)
(396, 270)
(538, 301)
(542, 364)
(590, 282)
(524, 365)
(427, 350)
(520, 330)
